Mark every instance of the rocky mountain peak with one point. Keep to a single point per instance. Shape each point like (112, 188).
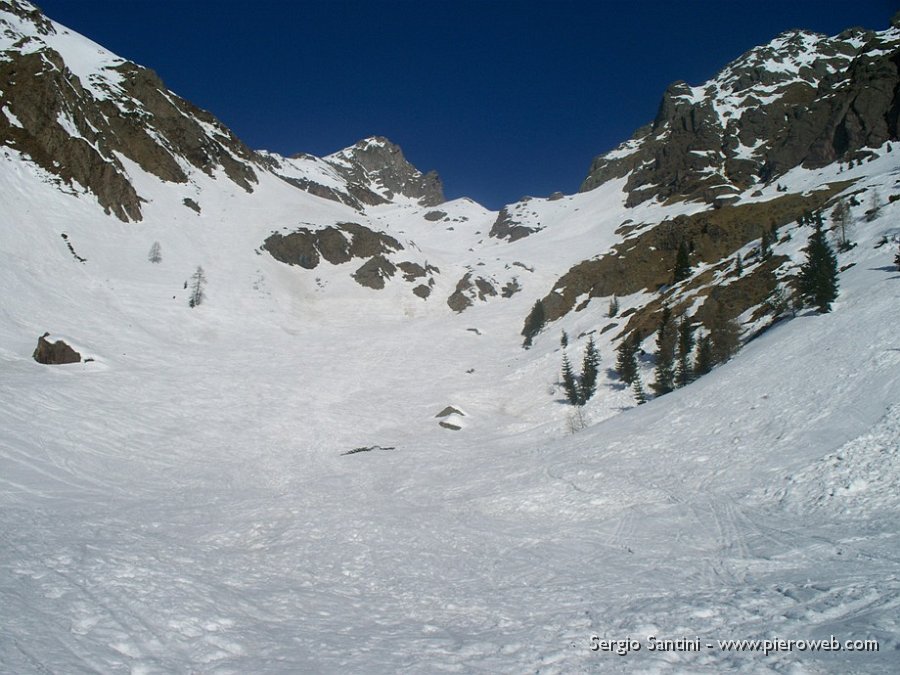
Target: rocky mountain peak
(802, 99)
(376, 170)
(72, 107)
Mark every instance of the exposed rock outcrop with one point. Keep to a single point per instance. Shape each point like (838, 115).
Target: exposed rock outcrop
(73, 129)
(374, 272)
(506, 227)
(645, 261)
(468, 289)
(376, 171)
(803, 99)
(340, 244)
(54, 353)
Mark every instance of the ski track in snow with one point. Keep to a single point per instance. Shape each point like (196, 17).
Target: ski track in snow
(200, 519)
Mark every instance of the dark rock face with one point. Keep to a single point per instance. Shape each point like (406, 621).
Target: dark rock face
(374, 272)
(54, 353)
(377, 163)
(345, 242)
(73, 129)
(468, 290)
(506, 227)
(411, 271)
(804, 99)
(336, 245)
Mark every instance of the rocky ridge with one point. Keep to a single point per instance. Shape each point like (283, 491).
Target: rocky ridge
(804, 99)
(75, 123)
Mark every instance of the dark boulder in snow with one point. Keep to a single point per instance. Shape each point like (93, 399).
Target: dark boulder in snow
(54, 353)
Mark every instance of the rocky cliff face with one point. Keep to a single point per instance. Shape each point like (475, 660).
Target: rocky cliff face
(803, 99)
(73, 113)
(370, 172)
(376, 171)
(74, 108)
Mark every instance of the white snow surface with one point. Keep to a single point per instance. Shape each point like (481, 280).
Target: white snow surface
(182, 502)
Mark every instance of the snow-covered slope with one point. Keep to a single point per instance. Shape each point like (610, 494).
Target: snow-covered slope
(184, 503)
(261, 483)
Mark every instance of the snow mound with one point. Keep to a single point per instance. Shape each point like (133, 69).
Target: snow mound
(861, 477)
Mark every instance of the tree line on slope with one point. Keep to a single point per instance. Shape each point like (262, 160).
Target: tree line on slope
(681, 355)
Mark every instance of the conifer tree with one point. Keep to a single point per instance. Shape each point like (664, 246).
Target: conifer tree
(155, 254)
(842, 220)
(613, 307)
(684, 372)
(199, 281)
(569, 383)
(626, 358)
(564, 340)
(897, 258)
(874, 206)
(704, 362)
(666, 338)
(818, 279)
(639, 394)
(682, 263)
(765, 246)
(738, 265)
(589, 369)
(534, 323)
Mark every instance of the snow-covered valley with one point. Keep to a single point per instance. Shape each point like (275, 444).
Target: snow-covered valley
(183, 502)
(261, 484)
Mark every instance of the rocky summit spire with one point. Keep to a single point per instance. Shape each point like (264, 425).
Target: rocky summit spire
(377, 171)
(802, 99)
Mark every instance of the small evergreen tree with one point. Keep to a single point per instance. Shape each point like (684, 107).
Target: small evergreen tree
(704, 362)
(564, 340)
(818, 279)
(155, 254)
(874, 209)
(613, 307)
(199, 281)
(842, 219)
(639, 394)
(590, 368)
(682, 263)
(580, 390)
(897, 258)
(569, 384)
(765, 246)
(626, 358)
(684, 372)
(738, 265)
(665, 354)
(534, 323)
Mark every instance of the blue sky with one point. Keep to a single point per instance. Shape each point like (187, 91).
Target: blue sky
(502, 98)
